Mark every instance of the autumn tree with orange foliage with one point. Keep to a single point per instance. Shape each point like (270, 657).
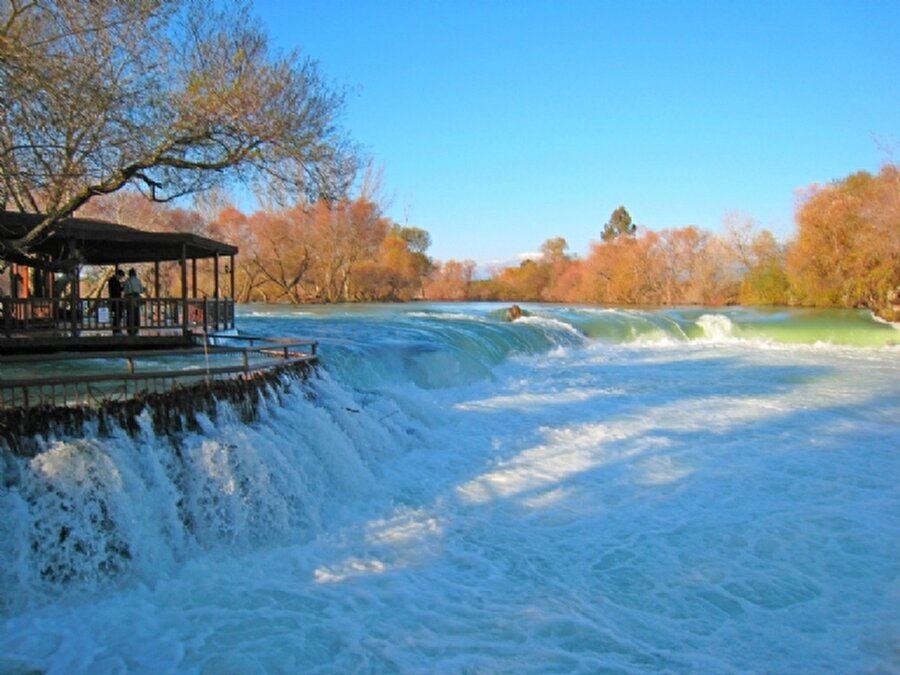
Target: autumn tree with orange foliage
(540, 278)
(250, 280)
(399, 271)
(694, 268)
(327, 251)
(558, 262)
(450, 280)
(277, 257)
(344, 251)
(345, 235)
(847, 250)
(623, 271)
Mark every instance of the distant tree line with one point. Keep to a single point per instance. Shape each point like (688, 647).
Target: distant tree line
(845, 253)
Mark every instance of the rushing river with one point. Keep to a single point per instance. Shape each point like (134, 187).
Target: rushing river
(582, 490)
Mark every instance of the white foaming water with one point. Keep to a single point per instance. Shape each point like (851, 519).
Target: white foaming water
(552, 324)
(716, 326)
(676, 507)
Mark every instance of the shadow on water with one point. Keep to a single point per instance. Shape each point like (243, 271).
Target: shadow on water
(670, 529)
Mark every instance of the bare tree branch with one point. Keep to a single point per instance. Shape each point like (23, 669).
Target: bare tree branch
(170, 96)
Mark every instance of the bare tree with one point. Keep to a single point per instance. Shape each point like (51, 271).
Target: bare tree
(170, 96)
(740, 230)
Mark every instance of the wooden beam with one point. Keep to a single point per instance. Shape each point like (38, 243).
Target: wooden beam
(216, 292)
(233, 287)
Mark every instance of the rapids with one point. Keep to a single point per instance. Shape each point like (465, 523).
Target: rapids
(582, 490)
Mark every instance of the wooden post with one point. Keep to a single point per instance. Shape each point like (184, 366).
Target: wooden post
(184, 291)
(77, 316)
(233, 286)
(216, 292)
(156, 314)
(233, 294)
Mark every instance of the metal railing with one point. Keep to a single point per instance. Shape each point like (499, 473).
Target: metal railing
(117, 376)
(40, 316)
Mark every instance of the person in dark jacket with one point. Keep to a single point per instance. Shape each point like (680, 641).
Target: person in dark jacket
(115, 286)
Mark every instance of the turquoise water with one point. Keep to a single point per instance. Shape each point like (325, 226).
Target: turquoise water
(583, 490)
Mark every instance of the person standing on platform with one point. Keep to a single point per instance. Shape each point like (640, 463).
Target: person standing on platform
(116, 282)
(133, 291)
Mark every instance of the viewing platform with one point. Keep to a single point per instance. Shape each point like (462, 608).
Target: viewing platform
(54, 298)
(74, 348)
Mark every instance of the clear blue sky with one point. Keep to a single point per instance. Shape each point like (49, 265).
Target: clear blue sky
(500, 124)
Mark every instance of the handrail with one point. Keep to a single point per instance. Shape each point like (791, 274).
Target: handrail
(149, 374)
(29, 316)
(23, 392)
(282, 343)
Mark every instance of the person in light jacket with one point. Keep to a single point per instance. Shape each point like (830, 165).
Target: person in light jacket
(133, 291)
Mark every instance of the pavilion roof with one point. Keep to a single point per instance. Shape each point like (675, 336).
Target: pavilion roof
(99, 242)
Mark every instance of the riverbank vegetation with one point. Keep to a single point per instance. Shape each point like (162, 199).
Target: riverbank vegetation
(845, 252)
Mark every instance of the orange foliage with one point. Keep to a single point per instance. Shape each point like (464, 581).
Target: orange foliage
(683, 266)
(451, 280)
(847, 251)
(394, 275)
(566, 283)
(621, 271)
(322, 252)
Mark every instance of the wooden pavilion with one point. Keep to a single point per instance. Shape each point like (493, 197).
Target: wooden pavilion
(43, 309)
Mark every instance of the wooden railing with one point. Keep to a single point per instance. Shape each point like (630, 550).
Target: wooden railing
(26, 316)
(267, 344)
(128, 375)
